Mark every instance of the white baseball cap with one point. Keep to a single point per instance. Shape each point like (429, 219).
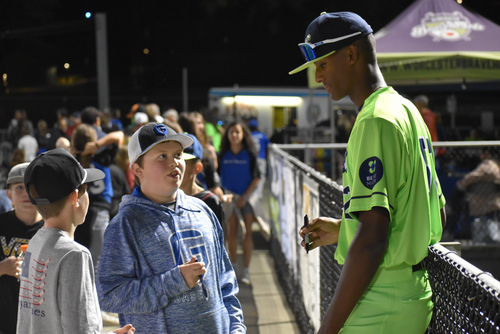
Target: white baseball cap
(152, 134)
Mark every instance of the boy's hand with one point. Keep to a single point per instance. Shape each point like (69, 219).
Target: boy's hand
(127, 329)
(322, 231)
(10, 266)
(191, 271)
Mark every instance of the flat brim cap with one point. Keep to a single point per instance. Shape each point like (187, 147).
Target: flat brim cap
(16, 174)
(332, 26)
(152, 134)
(194, 151)
(55, 174)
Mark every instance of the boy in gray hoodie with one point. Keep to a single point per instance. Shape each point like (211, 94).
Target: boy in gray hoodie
(163, 264)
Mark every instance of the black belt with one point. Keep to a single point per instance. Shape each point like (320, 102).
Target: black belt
(418, 266)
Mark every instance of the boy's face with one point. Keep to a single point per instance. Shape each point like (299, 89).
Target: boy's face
(162, 171)
(19, 197)
(190, 172)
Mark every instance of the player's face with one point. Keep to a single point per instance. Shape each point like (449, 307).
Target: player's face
(331, 71)
(162, 171)
(20, 200)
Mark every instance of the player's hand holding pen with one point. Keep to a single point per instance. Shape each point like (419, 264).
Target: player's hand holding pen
(322, 231)
(191, 271)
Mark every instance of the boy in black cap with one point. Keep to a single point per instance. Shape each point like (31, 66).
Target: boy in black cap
(393, 204)
(17, 227)
(192, 156)
(164, 267)
(57, 292)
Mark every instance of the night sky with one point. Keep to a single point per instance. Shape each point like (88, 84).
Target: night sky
(220, 42)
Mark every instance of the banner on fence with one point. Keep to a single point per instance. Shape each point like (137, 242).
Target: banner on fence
(294, 194)
(288, 217)
(309, 263)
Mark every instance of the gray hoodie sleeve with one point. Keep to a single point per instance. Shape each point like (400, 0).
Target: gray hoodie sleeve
(124, 284)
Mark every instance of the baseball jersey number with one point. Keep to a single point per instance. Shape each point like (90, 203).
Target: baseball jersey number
(96, 187)
(347, 216)
(426, 150)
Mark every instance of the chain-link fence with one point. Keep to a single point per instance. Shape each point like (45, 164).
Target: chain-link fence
(469, 173)
(466, 299)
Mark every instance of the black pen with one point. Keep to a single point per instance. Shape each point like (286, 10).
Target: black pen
(306, 238)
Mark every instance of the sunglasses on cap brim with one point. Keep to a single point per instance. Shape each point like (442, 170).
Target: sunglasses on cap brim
(307, 49)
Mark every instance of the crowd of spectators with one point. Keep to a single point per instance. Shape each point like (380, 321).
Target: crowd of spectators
(22, 142)
(99, 139)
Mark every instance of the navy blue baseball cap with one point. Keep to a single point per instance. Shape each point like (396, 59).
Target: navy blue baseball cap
(253, 122)
(152, 134)
(194, 151)
(330, 32)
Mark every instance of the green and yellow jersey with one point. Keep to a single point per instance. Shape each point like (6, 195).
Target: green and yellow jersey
(390, 163)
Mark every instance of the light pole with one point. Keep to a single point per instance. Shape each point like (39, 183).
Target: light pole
(102, 61)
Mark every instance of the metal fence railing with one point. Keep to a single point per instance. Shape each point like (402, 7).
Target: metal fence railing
(466, 299)
(473, 210)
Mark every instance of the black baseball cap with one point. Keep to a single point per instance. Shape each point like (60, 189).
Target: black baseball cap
(55, 174)
(152, 134)
(330, 32)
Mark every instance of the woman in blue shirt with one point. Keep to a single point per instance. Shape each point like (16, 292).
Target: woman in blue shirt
(239, 175)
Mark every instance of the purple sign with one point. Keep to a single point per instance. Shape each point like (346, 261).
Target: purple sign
(438, 26)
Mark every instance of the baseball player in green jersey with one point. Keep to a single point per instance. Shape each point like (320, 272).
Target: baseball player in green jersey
(393, 204)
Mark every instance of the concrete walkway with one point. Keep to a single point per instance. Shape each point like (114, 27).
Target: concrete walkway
(264, 306)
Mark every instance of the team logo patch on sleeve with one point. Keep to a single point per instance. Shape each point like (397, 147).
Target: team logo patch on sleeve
(371, 171)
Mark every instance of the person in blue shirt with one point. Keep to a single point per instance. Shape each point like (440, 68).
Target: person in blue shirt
(5, 203)
(240, 176)
(163, 266)
(86, 146)
(260, 142)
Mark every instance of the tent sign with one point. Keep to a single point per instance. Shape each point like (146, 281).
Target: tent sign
(451, 27)
(445, 68)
